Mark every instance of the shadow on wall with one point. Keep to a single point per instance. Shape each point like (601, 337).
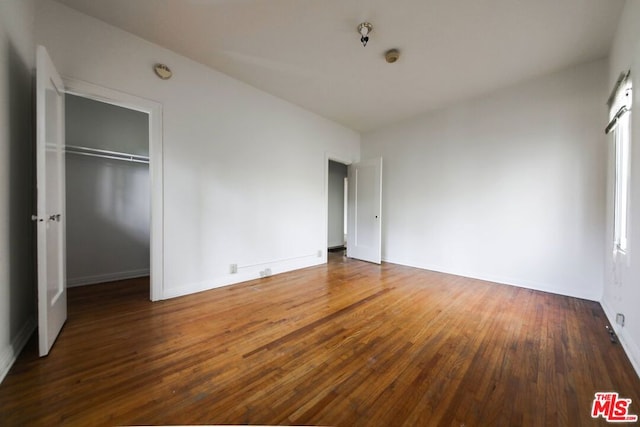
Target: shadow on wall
(108, 218)
(21, 187)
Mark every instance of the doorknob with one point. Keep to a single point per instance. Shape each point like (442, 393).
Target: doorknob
(55, 217)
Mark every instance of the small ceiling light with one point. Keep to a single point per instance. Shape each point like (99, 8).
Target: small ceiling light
(364, 29)
(392, 55)
(162, 71)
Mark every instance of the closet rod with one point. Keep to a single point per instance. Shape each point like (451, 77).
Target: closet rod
(105, 154)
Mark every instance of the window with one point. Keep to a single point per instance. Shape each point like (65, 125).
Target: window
(619, 124)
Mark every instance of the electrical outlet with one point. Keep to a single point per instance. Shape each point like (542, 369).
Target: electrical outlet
(233, 268)
(265, 273)
(319, 253)
(620, 319)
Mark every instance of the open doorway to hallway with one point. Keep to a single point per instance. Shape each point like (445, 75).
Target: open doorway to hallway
(337, 188)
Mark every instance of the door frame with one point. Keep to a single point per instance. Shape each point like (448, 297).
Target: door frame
(327, 157)
(154, 110)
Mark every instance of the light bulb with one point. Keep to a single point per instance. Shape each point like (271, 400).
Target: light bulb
(364, 29)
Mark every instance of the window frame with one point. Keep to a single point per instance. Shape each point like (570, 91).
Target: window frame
(620, 124)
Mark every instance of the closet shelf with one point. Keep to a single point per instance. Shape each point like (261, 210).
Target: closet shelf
(105, 154)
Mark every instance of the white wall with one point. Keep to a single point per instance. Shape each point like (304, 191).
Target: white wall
(17, 292)
(508, 187)
(224, 201)
(622, 289)
(335, 199)
(108, 201)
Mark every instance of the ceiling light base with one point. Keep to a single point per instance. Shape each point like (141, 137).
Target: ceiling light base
(162, 71)
(392, 55)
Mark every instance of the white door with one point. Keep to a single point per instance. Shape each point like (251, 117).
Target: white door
(52, 286)
(365, 202)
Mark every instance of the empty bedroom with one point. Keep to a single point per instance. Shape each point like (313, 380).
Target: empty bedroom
(358, 212)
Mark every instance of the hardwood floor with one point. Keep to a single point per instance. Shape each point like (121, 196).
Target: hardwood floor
(349, 343)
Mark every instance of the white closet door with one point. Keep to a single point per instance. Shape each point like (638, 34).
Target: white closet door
(50, 181)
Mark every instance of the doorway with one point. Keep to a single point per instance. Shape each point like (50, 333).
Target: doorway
(107, 192)
(363, 207)
(337, 190)
(147, 172)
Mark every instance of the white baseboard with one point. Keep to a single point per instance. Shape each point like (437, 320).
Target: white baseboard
(109, 277)
(568, 292)
(630, 348)
(246, 273)
(9, 354)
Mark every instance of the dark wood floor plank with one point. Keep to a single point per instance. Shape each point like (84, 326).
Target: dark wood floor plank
(349, 343)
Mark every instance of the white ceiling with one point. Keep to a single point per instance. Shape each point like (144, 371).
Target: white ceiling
(309, 53)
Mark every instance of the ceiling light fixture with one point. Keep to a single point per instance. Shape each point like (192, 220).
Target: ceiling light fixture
(364, 29)
(392, 55)
(162, 71)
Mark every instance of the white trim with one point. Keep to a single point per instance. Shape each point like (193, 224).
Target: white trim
(102, 278)
(9, 355)
(154, 109)
(630, 348)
